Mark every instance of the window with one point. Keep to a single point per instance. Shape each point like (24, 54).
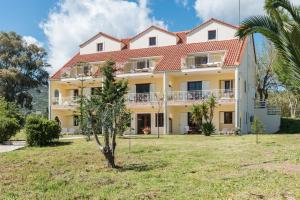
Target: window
(143, 64)
(75, 120)
(200, 60)
(152, 41)
(228, 85)
(245, 86)
(212, 35)
(160, 119)
(142, 88)
(86, 70)
(227, 117)
(76, 93)
(194, 86)
(100, 47)
(56, 94)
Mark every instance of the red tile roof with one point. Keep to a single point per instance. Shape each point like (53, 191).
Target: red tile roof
(171, 55)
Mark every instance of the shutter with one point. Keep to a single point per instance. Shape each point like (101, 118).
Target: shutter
(205, 85)
(233, 118)
(152, 87)
(222, 85)
(222, 117)
(183, 122)
(133, 88)
(183, 86)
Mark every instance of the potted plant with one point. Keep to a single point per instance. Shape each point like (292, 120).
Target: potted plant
(147, 130)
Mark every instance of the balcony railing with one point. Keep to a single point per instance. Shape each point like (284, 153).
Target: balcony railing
(212, 60)
(65, 101)
(155, 97)
(200, 95)
(133, 66)
(144, 98)
(271, 109)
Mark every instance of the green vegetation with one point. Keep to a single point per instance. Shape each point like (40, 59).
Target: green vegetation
(281, 26)
(40, 131)
(173, 167)
(204, 110)
(290, 125)
(10, 120)
(107, 113)
(22, 67)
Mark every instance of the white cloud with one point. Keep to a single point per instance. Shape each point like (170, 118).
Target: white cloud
(31, 40)
(227, 10)
(184, 3)
(73, 22)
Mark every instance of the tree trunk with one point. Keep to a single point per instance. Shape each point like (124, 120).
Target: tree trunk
(109, 157)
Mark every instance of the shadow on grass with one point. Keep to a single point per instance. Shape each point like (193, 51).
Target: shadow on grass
(142, 167)
(140, 137)
(59, 143)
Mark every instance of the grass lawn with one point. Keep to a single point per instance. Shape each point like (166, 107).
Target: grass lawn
(173, 167)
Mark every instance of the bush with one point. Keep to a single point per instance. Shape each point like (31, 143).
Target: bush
(208, 128)
(8, 128)
(40, 131)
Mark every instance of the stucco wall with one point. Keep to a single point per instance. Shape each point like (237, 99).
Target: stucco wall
(271, 122)
(162, 39)
(201, 34)
(108, 45)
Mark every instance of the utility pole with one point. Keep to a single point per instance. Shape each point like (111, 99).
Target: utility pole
(239, 12)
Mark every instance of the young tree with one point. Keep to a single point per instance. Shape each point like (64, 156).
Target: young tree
(107, 112)
(257, 128)
(22, 67)
(197, 115)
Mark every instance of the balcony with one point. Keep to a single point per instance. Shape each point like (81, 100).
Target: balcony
(190, 97)
(203, 60)
(134, 66)
(81, 72)
(65, 102)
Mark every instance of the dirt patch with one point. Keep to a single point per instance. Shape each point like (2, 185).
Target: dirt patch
(282, 167)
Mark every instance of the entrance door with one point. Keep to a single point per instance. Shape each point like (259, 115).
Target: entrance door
(143, 121)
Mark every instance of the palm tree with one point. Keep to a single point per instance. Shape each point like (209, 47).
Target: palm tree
(281, 26)
(197, 115)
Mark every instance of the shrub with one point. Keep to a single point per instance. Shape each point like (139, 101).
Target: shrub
(208, 128)
(8, 128)
(40, 131)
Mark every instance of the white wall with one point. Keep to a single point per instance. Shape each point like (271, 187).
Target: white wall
(109, 45)
(271, 122)
(247, 71)
(201, 34)
(162, 39)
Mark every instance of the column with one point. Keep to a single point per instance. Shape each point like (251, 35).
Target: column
(165, 92)
(236, 92)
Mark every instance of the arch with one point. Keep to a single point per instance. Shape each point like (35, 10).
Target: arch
(56, 93)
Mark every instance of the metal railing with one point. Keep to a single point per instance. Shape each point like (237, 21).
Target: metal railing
(199, 95)
(271, 110)
(143, 98)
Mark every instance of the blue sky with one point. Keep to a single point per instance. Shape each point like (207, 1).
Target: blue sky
(61, 25)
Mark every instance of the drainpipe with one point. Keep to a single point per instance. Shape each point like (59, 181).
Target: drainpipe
(165, 92)
(237, 90)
